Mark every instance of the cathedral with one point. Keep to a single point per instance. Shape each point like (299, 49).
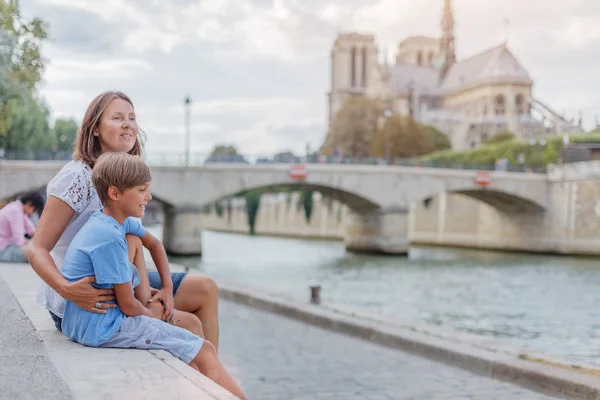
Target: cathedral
(470, 100)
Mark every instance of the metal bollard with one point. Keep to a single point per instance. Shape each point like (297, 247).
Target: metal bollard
(315, 294)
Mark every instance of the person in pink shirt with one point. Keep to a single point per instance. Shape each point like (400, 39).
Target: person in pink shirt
(15, 223)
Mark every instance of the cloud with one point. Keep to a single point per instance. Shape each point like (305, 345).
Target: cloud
(258, 70)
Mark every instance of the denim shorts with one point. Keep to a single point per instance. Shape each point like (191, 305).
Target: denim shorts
(147, 333)
(14, 254)
(176, 277)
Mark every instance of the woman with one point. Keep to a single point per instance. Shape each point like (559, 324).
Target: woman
(109, 125)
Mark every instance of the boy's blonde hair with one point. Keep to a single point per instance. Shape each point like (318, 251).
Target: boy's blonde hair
(121, 170)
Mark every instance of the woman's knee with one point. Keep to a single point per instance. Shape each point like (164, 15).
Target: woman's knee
(205, 285)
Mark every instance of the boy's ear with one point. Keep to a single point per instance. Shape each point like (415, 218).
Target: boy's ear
(113, 193)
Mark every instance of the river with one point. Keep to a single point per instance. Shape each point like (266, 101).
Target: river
(544, 303)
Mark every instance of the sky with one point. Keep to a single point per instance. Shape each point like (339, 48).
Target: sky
(258, 71)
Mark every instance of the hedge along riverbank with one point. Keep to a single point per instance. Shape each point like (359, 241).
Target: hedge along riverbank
(517, 151)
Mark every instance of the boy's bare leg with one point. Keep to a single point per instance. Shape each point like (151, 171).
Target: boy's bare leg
(208, 363)
(188, 321)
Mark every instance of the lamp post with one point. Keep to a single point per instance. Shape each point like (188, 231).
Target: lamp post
(388, 151)
(187, 105)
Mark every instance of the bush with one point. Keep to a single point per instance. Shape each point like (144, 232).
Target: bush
(535, 155)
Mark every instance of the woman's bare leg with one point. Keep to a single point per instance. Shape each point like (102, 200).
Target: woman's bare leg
(188, 321)
(209, 365)
(199, 295)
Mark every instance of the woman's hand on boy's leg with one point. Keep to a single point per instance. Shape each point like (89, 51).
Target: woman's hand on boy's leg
(166, 298)
(156, 309)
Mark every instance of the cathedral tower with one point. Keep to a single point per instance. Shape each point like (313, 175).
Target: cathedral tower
(353, 57)
(447, 49)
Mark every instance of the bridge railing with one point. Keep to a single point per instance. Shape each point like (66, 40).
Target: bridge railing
(177, 159)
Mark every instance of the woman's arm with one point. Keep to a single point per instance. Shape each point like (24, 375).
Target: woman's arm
(159, 256)
(53, 222)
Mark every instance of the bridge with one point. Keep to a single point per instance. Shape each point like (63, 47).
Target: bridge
(379, 195)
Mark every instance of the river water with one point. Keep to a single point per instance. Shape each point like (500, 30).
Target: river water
(547, 304)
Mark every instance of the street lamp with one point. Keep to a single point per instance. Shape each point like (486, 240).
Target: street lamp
(388, 151)
(187, 105)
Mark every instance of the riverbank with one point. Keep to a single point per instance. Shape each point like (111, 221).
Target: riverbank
(481, 356)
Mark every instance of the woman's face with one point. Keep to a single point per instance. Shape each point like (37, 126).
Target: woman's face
(118, 129)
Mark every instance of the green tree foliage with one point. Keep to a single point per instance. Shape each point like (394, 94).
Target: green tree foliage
(353, 128)
(27, 64)
(21, 68)
(307, 201)
(439, 140)
(27, 126)
(225, 153)
(500, 137)
(401, 137)
(65, 133)
(219, 209)
(536, 154)
(252, 206)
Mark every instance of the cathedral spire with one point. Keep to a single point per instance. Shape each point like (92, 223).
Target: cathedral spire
(447, 41)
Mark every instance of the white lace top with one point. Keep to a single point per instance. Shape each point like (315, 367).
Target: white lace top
(73, 185)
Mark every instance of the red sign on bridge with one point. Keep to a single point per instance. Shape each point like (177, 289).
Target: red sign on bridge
(298, 171)
(483, 178)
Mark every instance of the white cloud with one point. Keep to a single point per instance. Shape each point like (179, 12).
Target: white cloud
(258, 70)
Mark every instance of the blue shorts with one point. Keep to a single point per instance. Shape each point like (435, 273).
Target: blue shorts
(147, 333)
(176, 277)
(14, 254)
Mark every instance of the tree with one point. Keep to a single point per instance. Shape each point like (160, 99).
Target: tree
(65, 133)
(401, 137)
(252, 206)
(353, 128)
(439, 141)
(27, 126)
(21, 67)
(225, 153)
(306, 197)
(27, 64)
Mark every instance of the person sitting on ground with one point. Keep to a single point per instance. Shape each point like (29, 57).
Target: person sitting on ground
(15, 223)
(100, 249)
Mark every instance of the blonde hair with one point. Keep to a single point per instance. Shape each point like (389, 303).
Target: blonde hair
(87, 146)
(121, 170)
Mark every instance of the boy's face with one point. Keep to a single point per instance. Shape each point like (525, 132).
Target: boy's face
(133, 201)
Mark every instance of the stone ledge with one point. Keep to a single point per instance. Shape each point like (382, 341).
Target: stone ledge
(456, 350)
(93, 373)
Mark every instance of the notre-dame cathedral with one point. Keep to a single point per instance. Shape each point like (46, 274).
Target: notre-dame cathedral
(470, 100)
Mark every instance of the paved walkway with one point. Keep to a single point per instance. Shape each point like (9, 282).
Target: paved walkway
(278, 358)
(26, 370)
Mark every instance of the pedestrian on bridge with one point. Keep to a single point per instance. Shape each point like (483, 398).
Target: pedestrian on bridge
(109, 125)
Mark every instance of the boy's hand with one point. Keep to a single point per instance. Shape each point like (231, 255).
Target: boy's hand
(156, 309)
(166, 297)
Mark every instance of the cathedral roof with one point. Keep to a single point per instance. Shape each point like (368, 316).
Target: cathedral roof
(424, 80)
(497, 63)
(420, 39)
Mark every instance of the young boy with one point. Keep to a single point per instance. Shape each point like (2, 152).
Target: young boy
(99, 249)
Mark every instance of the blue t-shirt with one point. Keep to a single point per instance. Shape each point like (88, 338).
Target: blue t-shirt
(98, 249)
